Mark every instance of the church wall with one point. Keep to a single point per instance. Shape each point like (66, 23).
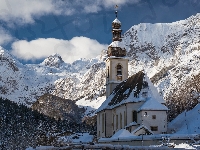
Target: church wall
(124, 115)
(111, 73)
(104, 123)
(110, 87)
(154, 119)
(99, 124)
(120, 113)
(133, 107)
(108, 127)
(112, 63)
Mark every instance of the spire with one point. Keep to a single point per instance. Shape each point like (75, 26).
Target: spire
(116, 24)
(116, 7)
(116, 19)
(116, 48)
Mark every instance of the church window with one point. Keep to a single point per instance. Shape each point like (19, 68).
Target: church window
(124, 118)
(99, 118)
(119, 72)
(153, 116)
(120, 120)
(119, 69)
(134, 116)
(113, 121)
(154, 128)
(103, 123)
(116, 121)
(108, 72)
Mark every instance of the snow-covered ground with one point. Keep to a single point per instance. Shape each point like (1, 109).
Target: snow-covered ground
(187, 146)
(158, 147)
(187, 122)
(78, 138)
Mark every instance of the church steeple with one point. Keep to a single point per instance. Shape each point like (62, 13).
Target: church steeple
(116, 63)
(116, 31)
(116, 48)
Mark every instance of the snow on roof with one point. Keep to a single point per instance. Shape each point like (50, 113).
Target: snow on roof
(187, 122)
(131, 124)
(120, 95)
(154, 91)
(121, 133)
(79, 138)
(105, 105)
(131, 90)
(152, 104)
(116, 21)
(141, 127)
(117, 44)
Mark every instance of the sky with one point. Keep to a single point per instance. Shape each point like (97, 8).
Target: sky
(33, 29)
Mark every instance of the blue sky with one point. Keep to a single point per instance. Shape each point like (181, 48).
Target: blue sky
(34, 29)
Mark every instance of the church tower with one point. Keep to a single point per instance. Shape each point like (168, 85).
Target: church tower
(116, 63)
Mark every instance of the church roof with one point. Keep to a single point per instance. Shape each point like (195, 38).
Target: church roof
(142, 127)
(117, 44)
(152, 104)
(131, 90)
(116, 21)
(131, 124)
(122, 133)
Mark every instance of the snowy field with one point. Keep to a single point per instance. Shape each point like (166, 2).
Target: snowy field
(158, 147)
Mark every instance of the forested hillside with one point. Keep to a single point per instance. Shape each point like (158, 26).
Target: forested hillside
(21, 127)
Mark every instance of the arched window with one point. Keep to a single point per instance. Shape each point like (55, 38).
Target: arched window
(119, 72)
(108, 72)
(134, 116)
(120, 121)
(119, 69)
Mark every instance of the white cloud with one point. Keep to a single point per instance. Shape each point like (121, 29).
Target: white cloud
(25, 11)
(77, 47)
(5, 37)
(91, 6)
(112, 3)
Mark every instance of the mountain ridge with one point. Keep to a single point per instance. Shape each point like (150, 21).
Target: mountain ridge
(169, 53)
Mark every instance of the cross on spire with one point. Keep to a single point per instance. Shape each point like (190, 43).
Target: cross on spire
(116, 7)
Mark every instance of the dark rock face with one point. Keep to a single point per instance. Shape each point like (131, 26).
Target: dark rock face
(54, 61)
(58, 108)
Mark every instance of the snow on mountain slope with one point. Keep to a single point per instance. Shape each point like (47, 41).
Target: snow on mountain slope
(167, 52)
(173, 46)
(25, 83)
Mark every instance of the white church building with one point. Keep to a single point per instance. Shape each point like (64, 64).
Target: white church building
(131, 103)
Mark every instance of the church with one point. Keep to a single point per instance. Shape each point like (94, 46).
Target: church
(132, 103)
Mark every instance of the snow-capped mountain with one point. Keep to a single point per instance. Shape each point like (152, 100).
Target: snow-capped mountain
(167, 52)
(25, 83)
